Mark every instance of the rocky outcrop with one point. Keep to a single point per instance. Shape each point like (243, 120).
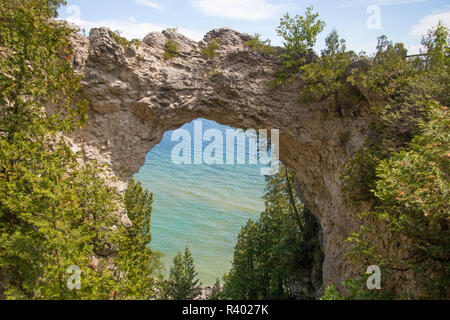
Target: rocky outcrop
(135, 96)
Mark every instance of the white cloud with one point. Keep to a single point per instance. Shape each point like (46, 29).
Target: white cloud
(351, 3)
(430, 21)
(150, 4)
(192, 34)
(238, 9)
(129, 28)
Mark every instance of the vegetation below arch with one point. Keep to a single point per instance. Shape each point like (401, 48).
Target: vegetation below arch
(57, 212)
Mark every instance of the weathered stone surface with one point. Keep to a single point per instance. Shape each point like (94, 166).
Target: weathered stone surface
(136, 96)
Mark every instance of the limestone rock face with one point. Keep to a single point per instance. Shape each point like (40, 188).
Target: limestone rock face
(135, 96)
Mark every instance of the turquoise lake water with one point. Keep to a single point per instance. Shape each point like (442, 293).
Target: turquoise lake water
(200, 206)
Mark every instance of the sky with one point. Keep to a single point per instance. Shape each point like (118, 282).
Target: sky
(359, 22)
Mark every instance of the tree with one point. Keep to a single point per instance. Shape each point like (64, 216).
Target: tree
(414, 187)
(217, 292)
(210, 52)
(326, 79)
(436, 43)
(273, 248)
(413, 191)
(170, 49)
(437, 63)
(182, 283)
(55, 211)
(403, 167)
(334, 44)
(241, 282)
(36, 69)
(261, 46)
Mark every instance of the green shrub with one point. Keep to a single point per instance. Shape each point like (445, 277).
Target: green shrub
(272, 249)
(300, 35)
(326, 78)
(170, 49)
(357, 290)
(261, 46)
(210, 52)
(331, 293)
(56, 211)
(123, 41)
(403, 168)
(183, 283)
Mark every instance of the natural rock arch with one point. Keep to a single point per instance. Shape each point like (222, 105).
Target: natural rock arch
(135, 96)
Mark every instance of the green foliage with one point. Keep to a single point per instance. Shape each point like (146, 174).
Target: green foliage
(334, 44)
(124, 42)
(51, 208)
(408, 142)
(170, 49)
(360, 176)
(413, 186)
(182, 283)
(50, 220)
(138, 265)
(436, 43)
(401, 89)
(261, 46)
(357, 290)
(331, 293)
(118, 38)
(271, 249)
(327, 78)
(210, 52)
(403, 169)
(56, 212)
(135, 42)
(437, 63)
(35, 68)
(300, 35)
(389, 70)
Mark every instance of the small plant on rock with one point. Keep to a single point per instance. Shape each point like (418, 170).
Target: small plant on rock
(210, 52)
(170, 49)
(261, 46)
(124, 42)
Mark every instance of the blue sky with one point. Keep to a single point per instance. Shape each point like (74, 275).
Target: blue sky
(360, 22)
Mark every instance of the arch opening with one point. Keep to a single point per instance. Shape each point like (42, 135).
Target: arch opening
(205, 206)
(202, 206)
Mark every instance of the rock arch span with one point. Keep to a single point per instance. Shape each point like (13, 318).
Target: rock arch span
(135, 96)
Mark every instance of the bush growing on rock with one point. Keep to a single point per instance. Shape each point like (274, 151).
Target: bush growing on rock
(261, 46)
(210, 52)
(170, 49)
(124, 42)
(300, 35)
